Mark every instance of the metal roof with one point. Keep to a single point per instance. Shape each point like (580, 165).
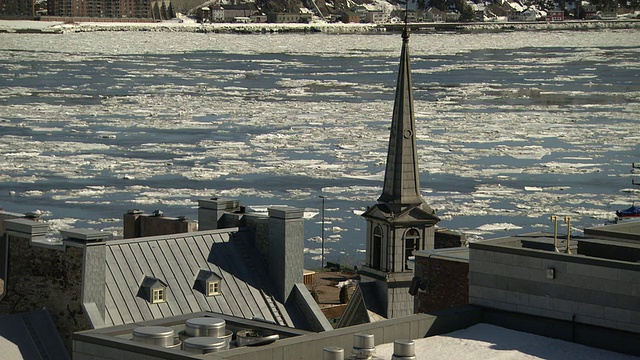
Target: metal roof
(31, 335)
(177, 260)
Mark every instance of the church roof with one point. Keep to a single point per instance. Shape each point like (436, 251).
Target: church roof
(402, 180)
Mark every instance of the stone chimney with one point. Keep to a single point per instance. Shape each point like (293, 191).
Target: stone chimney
(210, 211)
(286, 246)
(93, 269)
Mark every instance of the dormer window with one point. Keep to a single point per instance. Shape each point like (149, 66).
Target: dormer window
(153, 290)
(158, 296)
(208, 283)
(213, 288)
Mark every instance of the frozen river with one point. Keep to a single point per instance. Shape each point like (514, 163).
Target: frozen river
(512, 127)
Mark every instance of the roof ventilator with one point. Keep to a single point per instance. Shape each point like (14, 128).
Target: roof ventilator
(156, 335)
(204, 335)
(363, 347)
(255, 338)
(404, 350)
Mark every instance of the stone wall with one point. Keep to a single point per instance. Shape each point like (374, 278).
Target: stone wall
(42, 276)
(446, 281)
(561, 286)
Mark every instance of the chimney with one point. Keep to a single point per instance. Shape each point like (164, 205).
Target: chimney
(26, 229)
(210, 211)
(132, 224)
(286, 246)
(93, 269)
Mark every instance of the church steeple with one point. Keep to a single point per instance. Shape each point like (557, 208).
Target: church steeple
(401, 179)
(401, 222)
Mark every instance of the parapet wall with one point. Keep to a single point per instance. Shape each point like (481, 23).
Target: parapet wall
(575, 288)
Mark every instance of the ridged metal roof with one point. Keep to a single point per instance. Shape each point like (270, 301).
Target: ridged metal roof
(176, 260)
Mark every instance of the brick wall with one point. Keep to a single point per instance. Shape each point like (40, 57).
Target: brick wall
(447, 283)
(583, 289)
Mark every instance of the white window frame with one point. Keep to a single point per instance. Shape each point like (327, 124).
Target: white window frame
(158, 295)
(213, 288)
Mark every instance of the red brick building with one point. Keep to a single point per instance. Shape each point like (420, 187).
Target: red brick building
(443, 279)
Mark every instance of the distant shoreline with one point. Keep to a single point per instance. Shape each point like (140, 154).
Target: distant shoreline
(8, 26)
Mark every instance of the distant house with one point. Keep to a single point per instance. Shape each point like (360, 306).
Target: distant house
(555, 15)
(210, 14)
(350, 17)
(361, 10)
(289, 18)
(434, 15)
(376, 17)
(232, 11)
(590, 12)
(258, 17)
(526, 15)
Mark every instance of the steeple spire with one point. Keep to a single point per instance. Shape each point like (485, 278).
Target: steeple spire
(401, 179)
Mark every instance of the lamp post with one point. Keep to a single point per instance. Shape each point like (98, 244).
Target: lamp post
(322, 253)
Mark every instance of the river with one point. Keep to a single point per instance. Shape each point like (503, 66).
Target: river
(512, 127)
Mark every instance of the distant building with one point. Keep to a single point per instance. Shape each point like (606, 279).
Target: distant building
(258, 17)
(350, 17)
(232, 11)
(555, 15)
(289, 17)
(17, 8)
(127, 9)
(376, 17)
(434, 15)
(526, 15)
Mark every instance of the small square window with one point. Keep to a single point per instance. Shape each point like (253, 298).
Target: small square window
(158, 295)
(213, 288)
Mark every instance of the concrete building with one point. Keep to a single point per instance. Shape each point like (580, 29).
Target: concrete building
(588, 294)
(253, 269)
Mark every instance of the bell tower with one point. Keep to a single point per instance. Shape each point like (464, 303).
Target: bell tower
(401, 222)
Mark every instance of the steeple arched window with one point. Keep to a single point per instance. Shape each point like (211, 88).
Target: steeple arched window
(376, 247)
(411, 244)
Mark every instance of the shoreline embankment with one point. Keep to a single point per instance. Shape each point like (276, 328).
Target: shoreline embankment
(52, 27)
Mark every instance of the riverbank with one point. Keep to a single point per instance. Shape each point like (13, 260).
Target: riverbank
(52, 27)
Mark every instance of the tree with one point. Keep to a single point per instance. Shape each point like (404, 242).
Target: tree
(344, 294)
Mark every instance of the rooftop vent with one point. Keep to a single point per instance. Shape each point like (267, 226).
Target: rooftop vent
(333, 353)
(204, 345)
(255, 338)
(363, 346)
(205, 326)
(156, 335)
(157, 212)
(404, 350)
